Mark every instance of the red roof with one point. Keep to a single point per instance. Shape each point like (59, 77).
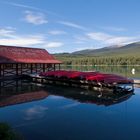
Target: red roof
(12, 54)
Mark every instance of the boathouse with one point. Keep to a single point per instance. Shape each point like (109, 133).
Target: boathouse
(22, 60)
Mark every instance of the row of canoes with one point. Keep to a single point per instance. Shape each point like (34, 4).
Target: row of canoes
(88, 76)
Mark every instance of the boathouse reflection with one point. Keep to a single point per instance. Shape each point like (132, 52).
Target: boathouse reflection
(21, 91)
(17, 91)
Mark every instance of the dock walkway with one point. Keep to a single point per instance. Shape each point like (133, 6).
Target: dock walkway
(90, 80)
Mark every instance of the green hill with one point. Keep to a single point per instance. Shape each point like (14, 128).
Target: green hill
(113, 55)
(127, 50)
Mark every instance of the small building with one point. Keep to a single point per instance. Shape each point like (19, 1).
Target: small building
(21, 60)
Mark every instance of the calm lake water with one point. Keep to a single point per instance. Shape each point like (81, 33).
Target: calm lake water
(67, 113)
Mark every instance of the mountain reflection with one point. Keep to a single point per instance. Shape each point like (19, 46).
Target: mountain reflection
(17, 92)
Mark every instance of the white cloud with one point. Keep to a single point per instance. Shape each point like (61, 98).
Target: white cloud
(120, 40)
(22, 41)
(53, 45)
(99, 36)
(10, 37)
(7, 32)
(70, 24)
(54, 50)
(108, 39)
(35, 18)
(57, 32)
(21, 5)
(32, 8)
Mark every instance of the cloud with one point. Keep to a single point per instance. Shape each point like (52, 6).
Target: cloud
(6, 32)
(22, 41)
(70, 105)
(35, 112)
(110, 28)
(31, 8)
(57, 32)
(35, 18)
(53, 45)
(70, 24)
(31, 17)
(121, 40)
(10, 37)
(99, 36)
(21, 5)
(55, 51)
(108, 39)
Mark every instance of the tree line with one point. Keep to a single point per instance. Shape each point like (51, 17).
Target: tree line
(90, 60)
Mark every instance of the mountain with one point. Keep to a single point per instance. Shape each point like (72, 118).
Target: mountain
(132, 49)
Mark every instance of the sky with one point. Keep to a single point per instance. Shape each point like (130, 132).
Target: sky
(69, 25)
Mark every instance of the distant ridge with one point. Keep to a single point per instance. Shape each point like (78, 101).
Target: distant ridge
(132, 49)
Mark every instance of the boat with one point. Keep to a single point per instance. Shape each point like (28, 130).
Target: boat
(91, 80)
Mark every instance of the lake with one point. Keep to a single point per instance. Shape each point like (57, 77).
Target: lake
(47, 112)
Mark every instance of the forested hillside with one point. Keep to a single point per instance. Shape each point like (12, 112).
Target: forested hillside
(125, 55)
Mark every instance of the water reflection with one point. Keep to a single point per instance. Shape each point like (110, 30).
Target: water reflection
(90, 96)
(18, 92)
(70, 113)
(34, 112)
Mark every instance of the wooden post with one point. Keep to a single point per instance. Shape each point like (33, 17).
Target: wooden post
(21, 68)
(59, 67)
(16, 85)
(0, 70)
(43, 67)
(31, 68)
(3, 69)
(54, 67)
(16, 69)
(36, 67)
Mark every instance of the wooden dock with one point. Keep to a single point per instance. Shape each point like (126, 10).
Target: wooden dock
(69, 78)
(83, 84)
(137, 83)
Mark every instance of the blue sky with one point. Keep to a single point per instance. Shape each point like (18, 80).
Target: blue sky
(69, 25)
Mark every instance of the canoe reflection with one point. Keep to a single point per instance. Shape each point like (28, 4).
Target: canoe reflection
(24, 92)
(90, 96)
